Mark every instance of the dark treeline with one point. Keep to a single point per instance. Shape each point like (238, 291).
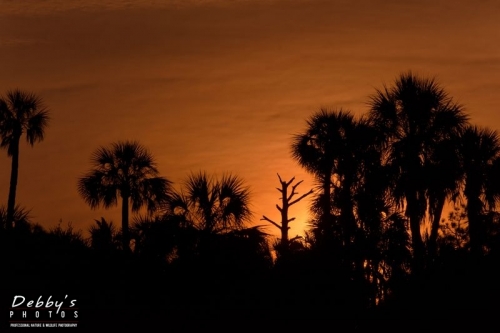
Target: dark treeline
(377, 245)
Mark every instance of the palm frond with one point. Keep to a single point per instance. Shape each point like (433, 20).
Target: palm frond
(20, 112)
(21, 218)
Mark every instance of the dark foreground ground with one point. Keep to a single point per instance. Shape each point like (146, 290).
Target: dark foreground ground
(192, 301)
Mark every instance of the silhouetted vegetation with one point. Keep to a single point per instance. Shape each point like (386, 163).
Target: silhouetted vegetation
(127, 170)
(377, 246)
(20, 113)
(287, 200)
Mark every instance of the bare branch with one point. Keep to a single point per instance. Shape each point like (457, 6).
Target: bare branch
(301, 197)
(265, 218)
(294, 186)
(293, 191)
(279, 208)
(279, 178)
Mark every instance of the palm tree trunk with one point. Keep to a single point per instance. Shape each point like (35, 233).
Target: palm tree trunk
(347, 212)
(326, 204)
(435, 226)
(416, 237)
(474, 208)
(125, 231)
(13, 183)
(417, 244)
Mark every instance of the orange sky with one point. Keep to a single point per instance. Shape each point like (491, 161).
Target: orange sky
(222, 85)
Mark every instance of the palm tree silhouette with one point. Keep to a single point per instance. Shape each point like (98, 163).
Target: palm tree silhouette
(128, 170)
(414, 115)
(20, 112)
(480, 152)
(318, 150)
(213, 206)
(345, 156)
(340, 151)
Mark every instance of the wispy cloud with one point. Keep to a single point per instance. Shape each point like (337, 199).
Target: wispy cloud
(13, 42)
(51, 6)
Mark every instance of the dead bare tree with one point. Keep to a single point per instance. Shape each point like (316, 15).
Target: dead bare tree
(287, 201)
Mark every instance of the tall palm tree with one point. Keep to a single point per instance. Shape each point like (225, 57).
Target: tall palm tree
(318, 150)
(344, 155)
(211, 205)
(339, 150)
(480, 152)
(414, 115)
(127, 170)
(20, 113)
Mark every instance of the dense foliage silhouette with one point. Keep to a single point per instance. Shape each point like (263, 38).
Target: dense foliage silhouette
(414, 116)
(480, 151)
